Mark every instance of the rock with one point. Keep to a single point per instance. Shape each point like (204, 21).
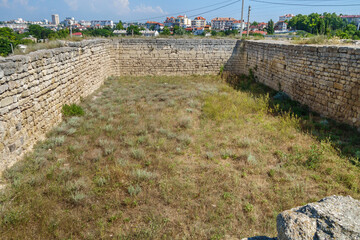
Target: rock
(334, 217)
(294, 225)
(259, 238)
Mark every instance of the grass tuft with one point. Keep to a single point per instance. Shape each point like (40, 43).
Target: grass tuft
(72, 110)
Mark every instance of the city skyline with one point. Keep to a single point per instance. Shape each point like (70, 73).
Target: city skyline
(136, 10)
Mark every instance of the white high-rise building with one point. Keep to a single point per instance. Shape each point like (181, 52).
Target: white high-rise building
(55, 19)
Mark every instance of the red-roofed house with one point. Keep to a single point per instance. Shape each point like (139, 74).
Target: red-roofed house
(236, 24)
(154, 25)
(352, 19)
(169, 22)
(286, 17)
(77, 34)
(198, 22)
(198, 31)
(256, 31)
(259, 27)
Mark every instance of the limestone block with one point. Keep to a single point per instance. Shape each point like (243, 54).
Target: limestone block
(333, 217)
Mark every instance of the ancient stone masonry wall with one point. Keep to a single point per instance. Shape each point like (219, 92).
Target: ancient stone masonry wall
(172, 56)
(325, 78)
(34, 87)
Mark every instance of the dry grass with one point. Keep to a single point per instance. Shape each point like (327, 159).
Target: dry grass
(169, 158)
(320, 40)
(39, 46)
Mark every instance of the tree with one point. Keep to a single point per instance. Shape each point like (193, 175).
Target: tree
(133, 29)
(40, 32)
(270, 27)
(5, 47)
(255, 23)
(321, 26)
(179, 30)
(213, 33)
(119, 26)
(166, 31)
(7, 33)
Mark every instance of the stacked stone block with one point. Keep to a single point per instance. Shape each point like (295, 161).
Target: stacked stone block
(325, 78)
(33, 88)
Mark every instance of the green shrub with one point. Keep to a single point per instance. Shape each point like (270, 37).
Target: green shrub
(221, 70)
(72, 110)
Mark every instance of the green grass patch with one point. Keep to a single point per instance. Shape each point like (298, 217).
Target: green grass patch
(72, 110)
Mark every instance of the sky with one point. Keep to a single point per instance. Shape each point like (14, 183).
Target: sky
(157, 10)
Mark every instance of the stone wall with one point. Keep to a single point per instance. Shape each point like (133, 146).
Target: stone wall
(172, 56)
(33, 88)
(325, 78)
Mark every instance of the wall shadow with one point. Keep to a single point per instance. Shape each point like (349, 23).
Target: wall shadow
(345, 138)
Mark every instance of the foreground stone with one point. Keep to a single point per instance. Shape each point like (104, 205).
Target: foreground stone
(333, 217)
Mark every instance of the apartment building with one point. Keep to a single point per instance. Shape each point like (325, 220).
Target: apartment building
(222, 23)
(55, 19)
(198, 22)
(183, 21)
(102, 23)
(286, 17)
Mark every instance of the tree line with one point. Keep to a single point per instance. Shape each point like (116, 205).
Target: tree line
(329, 24)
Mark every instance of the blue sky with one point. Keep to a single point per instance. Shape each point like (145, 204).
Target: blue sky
(128, 10)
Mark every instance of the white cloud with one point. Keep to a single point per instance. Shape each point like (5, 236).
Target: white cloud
(118, 6)
(148, 9)
(73, 4)
(121, 5)
(17, 4)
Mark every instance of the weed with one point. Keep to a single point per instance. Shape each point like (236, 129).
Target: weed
(227, 196)
(184, 139)
(141, 174)
(108, 128)
(108, 150)
(54, 142)
(138, 154)
(209, 155)
(314, 157)
(72, 110)
(74, 121)
(248, 207)
(251, 159)
(78, 197)
(12, 217)
(227, 153)
(243, 143)
(221, 70)
(70, 131)
(271, 173)
(100, 181)
(184, 122)
(134, 190)
(122, 162)
(77, 185)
